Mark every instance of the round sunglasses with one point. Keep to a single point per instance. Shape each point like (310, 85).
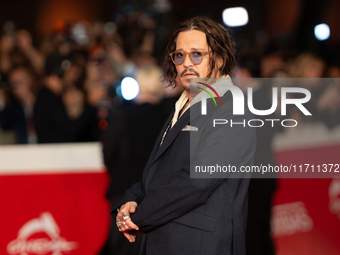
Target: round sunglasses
(195, 56)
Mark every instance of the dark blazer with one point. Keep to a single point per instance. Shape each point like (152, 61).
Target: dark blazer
(182, 215)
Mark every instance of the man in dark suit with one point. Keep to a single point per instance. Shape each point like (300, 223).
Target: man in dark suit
(179, 214)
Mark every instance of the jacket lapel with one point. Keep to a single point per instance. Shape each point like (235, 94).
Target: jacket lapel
(158, 141)
(192, 113)
(172, 133)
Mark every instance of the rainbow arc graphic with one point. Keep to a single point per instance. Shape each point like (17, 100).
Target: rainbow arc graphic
(213, 90)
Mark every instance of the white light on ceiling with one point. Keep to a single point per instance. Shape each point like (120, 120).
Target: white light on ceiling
(235, 17)
(129, 88)
(322, 32)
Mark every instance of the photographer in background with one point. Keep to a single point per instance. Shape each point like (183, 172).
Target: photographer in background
(17, 105)
(16, 48)
(61, 113)
(7, 132)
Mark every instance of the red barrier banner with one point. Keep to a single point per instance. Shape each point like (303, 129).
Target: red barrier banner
(306, 212)
(53, 199)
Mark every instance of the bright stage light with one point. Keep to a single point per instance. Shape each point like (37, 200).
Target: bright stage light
(322, 32)
(129, 88)
(235, 17)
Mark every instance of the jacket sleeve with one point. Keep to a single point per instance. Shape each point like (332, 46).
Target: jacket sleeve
(135, 193)
(182, 194)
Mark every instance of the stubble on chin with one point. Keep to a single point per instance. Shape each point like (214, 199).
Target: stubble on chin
(186, 85)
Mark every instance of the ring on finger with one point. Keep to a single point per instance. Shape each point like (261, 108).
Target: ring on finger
(125, 217)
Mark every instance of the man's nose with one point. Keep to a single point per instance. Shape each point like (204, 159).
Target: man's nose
(187, 61)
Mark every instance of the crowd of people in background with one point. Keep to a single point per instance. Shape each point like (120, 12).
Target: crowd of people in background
(64, 89)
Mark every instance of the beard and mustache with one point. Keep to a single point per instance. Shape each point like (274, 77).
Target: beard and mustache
(188, 80)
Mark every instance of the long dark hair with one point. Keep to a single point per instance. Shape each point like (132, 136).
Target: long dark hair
(220, 43)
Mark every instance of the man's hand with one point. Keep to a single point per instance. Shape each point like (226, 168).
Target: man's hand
(124, 222)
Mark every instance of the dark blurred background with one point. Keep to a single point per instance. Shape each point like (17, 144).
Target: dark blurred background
(289, 23)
